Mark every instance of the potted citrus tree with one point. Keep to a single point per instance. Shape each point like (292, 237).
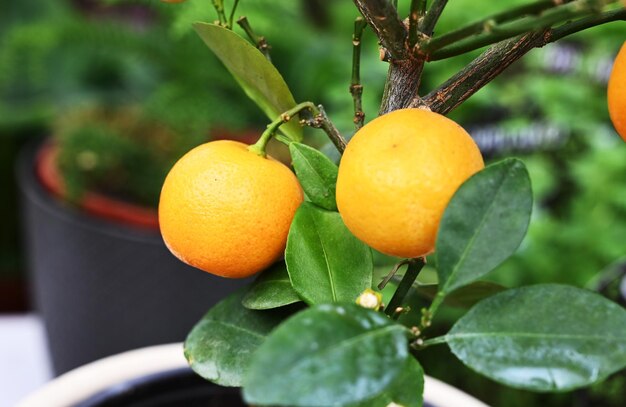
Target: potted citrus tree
(410, 183)
(318, 327)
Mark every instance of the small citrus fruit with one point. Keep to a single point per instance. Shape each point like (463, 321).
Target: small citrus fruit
(617, 93)
(227, 210)
(397, 176)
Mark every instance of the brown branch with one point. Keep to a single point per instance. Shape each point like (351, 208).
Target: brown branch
(403, 80)
(500, 56)
(382, 16)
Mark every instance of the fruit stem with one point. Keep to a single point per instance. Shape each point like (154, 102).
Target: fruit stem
(318, 120)
(415, 266)
(261, 144)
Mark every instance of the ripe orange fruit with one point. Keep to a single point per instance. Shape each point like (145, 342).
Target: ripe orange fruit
(397, 175)
(617, 93)
(226, 210)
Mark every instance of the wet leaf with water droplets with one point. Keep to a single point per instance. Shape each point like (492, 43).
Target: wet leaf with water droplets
(544, 338)
(219, 347)
(329, 354)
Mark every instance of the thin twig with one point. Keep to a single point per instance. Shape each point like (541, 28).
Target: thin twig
(500, 56)
(259, 41)
(415, 13)
(356, 89)
(415, 266)
(585, 23)
(232, 14)
(498, 33)
(329, 128)
(435, 43)
(383, 17)
(219, 8)
(432, 16)
(392, 273)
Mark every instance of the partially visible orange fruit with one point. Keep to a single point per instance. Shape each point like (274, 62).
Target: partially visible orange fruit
(226, 210)
(397, 176)
(617, 93)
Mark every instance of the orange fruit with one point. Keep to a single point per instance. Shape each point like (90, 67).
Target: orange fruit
(617, 93)
(227, 210)
(397, 176)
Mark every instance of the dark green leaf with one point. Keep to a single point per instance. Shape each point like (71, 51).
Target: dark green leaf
(317, 175)
(326, 263)
(464, 297)
(219, 347)
(327, 355)
(483, 224)
(272, 289)
(256, 75)
(543, 338)
(407, 390)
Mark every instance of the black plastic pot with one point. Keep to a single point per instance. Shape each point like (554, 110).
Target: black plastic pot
(174, 388)
(104, 288)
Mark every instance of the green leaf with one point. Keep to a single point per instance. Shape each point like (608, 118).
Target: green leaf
(255, 74)
(543, 338)
(272, 289)
(326, 263)
(218, 348)
(464, 297)
(483, 224)
(317, 175)
(407, 390)
(327, 355)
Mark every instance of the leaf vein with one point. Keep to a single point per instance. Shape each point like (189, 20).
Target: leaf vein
(473, 238)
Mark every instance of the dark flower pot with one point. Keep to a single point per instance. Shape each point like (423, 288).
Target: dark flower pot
(104, 287)
(159, 377)
(172, 388)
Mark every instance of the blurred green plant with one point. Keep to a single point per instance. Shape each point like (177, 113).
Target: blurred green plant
(121, 152)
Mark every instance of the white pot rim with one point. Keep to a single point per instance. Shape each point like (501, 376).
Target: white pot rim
(93, 378)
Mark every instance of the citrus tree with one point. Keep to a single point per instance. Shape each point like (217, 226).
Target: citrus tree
(317, 327)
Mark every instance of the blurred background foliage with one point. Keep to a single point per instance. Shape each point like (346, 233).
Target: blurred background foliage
(130, 83)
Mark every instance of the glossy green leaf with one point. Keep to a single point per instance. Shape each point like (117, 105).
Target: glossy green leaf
(219, 347)
(407, 390)
(272, 289)
(483, 224)
(464, 297)
(326, 263)
(317, 175)
(544, 337)
(327, 355)
(255, 74)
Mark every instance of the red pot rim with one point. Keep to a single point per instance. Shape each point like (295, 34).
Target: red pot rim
(92, 203)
